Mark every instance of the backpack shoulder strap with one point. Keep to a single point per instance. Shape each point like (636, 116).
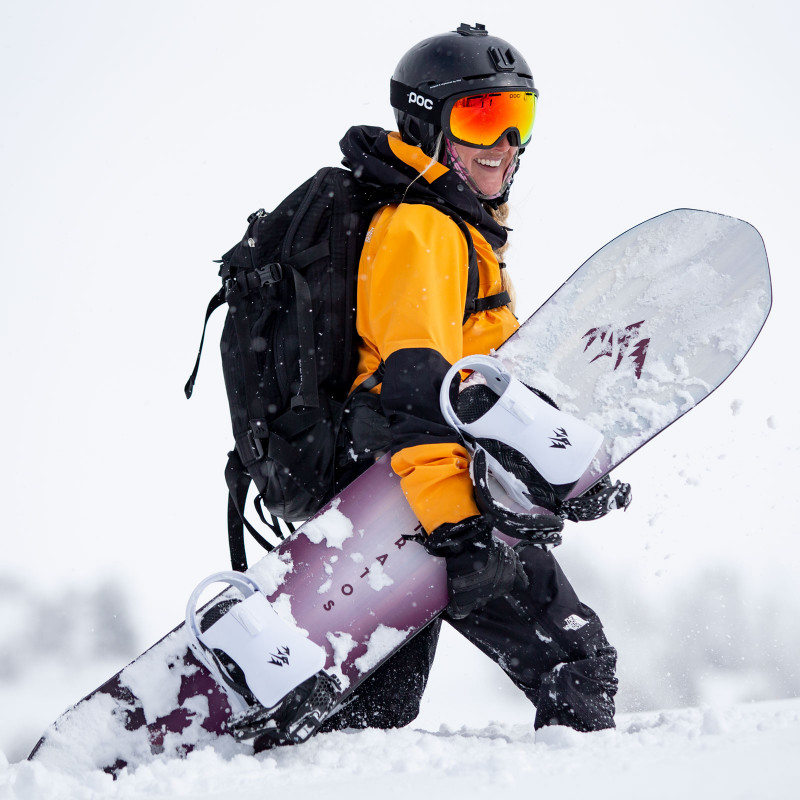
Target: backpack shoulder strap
(475, 304)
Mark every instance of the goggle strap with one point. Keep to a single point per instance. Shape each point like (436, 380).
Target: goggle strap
(422, 106)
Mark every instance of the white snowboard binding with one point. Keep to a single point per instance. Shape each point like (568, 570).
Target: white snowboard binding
(272, 673)
(535, 451)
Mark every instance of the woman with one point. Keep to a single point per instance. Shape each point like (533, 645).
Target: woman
(464, 103)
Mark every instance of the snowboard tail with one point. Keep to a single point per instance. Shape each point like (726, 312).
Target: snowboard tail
(639, 335)
(336, 579)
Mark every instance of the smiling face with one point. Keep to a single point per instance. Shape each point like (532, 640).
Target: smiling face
(487, 167)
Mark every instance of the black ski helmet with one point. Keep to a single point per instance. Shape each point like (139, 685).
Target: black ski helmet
(454, 63)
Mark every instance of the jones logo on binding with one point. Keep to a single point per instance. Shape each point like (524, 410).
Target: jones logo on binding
(281, 658)
(560, 439)
(418, 99)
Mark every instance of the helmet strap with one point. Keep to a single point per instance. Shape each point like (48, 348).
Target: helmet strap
(452, 160)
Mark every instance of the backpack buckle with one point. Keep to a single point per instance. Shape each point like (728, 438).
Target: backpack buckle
(249, 444)
(269, 273)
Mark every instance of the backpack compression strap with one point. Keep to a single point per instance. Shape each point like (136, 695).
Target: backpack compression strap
(216, 301)
(238, 480)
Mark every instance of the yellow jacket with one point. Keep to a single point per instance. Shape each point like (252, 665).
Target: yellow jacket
(412, 289)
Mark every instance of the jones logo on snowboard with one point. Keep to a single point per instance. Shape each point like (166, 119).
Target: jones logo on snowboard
(609, 336)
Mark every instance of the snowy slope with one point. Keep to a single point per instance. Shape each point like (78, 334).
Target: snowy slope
(742, 752)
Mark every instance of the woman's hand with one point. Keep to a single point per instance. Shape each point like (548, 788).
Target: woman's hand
(480, 567)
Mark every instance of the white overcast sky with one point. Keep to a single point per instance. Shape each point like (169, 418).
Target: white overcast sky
(136, 138)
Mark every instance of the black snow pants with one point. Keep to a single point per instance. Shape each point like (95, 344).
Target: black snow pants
(550, 644)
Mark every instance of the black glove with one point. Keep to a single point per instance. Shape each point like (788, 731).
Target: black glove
(598, 501)
(480, 566)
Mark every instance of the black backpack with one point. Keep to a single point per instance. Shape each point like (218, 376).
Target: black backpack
(290, 347)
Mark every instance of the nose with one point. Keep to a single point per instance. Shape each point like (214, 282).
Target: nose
(508, 142)
(511, 139)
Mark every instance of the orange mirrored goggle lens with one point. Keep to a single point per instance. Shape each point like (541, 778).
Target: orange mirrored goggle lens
(480, 120)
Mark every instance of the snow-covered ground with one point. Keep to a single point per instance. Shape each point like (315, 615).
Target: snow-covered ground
(740, 752)
(135, 140)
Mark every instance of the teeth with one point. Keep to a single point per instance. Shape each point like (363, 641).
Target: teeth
(489, 162)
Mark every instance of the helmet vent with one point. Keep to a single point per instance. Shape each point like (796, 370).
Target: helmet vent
(504, 60)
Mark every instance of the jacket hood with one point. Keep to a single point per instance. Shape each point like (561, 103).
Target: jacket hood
(381, 159)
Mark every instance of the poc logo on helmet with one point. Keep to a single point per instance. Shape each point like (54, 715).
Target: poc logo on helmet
(418, 99)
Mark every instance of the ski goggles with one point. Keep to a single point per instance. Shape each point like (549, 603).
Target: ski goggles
(482, 120)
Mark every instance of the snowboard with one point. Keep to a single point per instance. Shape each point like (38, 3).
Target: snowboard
(640, 334)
